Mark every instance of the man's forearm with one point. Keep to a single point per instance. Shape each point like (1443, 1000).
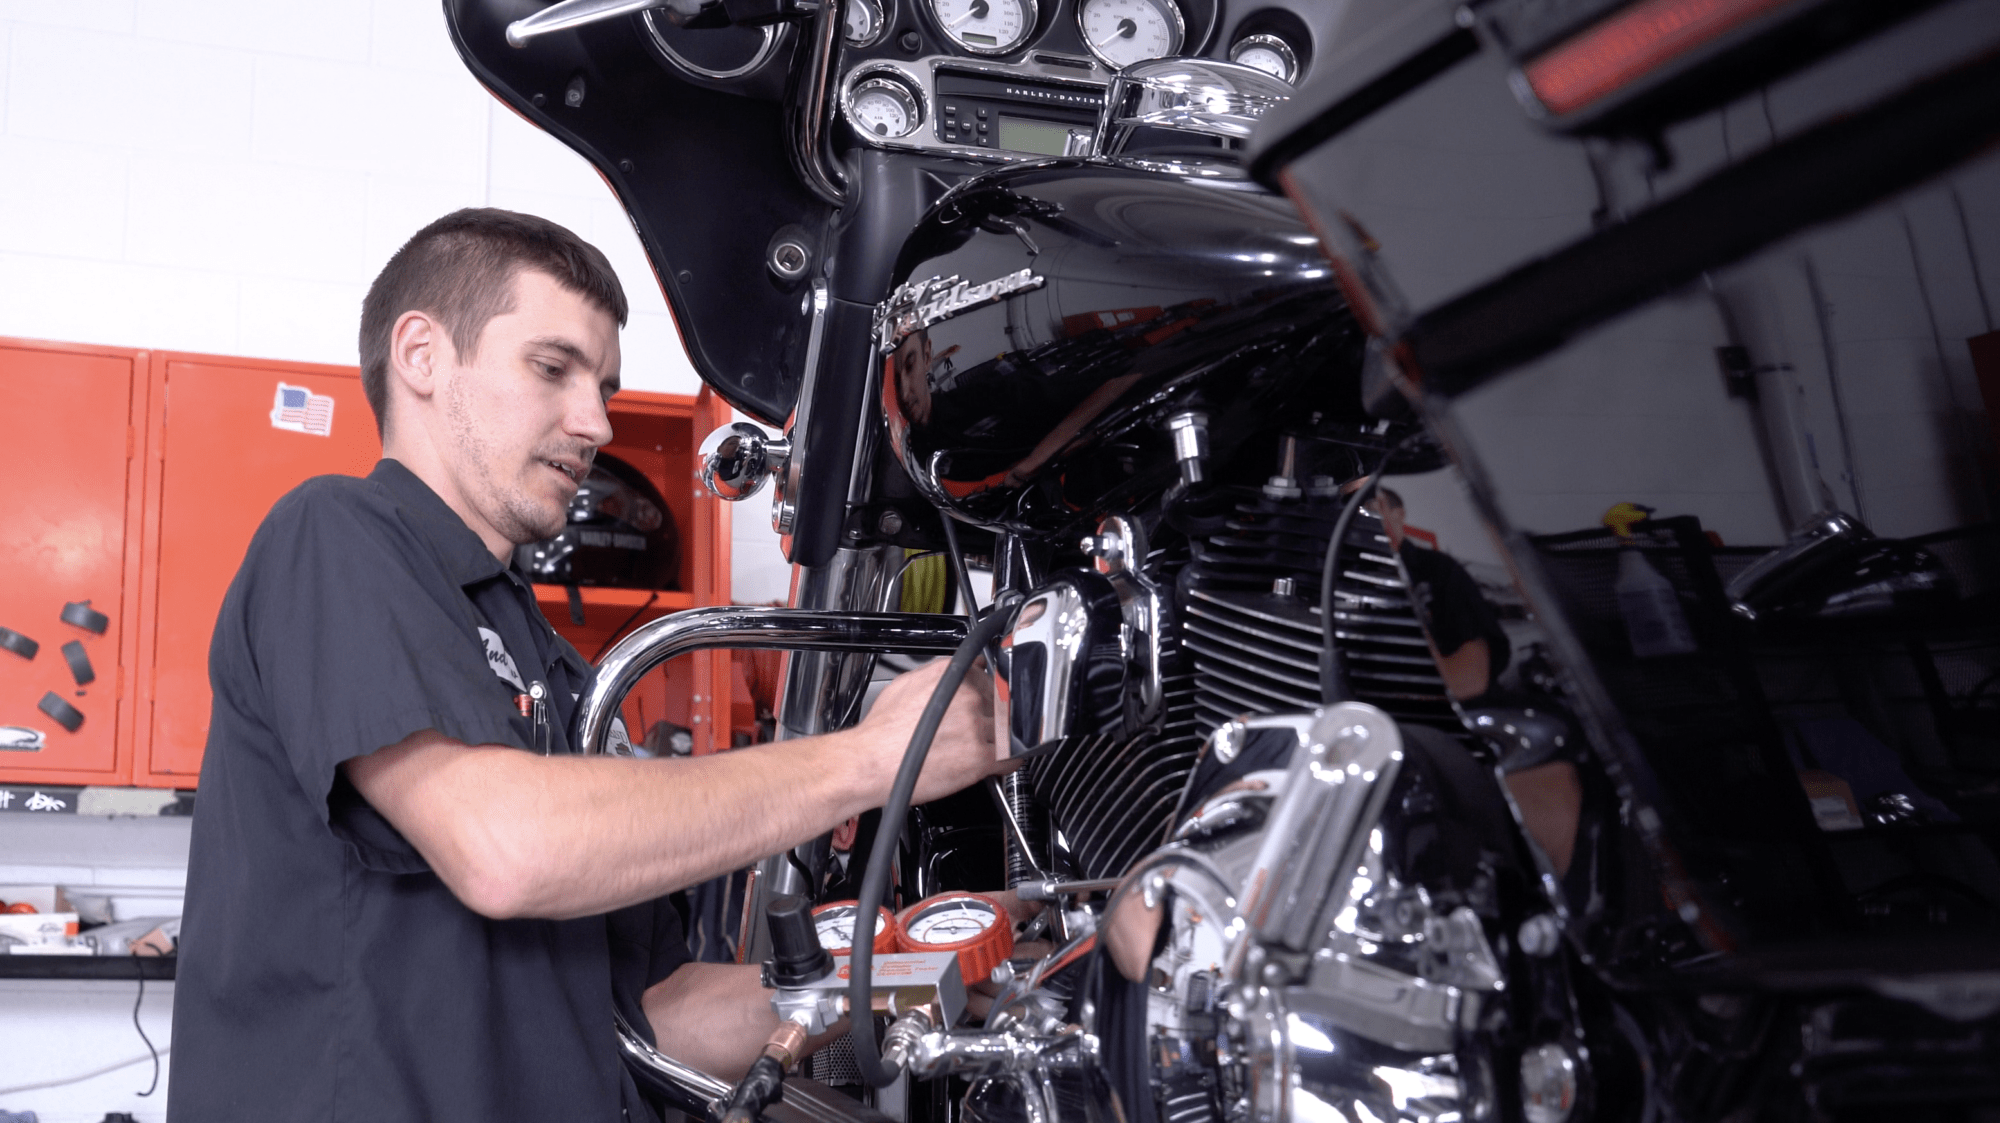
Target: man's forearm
(515, 834)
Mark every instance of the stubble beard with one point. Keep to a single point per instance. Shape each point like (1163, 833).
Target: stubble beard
(503, 503)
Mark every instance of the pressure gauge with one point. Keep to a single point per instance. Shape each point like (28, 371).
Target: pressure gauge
(834, 921)
(986, 27)
(974, 926)
(864, 22)
(1269, 54)
(1122, 32)
(884, 107)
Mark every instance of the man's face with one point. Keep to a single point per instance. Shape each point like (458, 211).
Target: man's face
(525, 412)
(1392, 520)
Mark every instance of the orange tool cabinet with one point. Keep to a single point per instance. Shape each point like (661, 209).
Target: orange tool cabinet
(134, 481)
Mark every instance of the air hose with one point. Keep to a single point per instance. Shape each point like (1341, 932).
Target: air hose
(1332, 675)
(875, 882)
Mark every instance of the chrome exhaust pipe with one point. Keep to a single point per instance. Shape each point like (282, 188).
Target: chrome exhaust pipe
(738, 626)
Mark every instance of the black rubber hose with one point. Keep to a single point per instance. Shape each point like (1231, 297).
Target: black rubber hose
(762, 1086)
(1333, 676)
(875, 882)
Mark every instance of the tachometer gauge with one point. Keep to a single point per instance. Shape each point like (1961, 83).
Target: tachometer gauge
(834, 921)
(1269, 54)
(864, 21)
(1122, 32)
(986, 27)
(974, 926)
(884, 107)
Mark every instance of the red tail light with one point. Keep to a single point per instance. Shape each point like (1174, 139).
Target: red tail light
(1632, 44)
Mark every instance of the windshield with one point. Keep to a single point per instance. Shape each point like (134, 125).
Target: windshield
(1754, 520)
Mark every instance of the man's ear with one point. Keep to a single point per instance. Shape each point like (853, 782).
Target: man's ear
(419, 348)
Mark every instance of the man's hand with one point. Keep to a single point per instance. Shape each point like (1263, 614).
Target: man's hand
(961, 754)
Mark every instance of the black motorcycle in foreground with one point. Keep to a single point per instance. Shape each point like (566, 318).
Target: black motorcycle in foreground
(1519, 642)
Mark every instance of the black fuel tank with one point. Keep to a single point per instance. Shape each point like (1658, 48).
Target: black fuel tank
(1049, 319)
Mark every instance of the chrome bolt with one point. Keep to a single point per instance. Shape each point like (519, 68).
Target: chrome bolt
(789, 260)
(1540, 935)
(1548, 1083)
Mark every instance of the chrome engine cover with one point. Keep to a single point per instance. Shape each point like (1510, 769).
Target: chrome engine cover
(1288, 971)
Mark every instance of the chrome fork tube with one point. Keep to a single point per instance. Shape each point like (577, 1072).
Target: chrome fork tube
(821, 692)
(822, 689)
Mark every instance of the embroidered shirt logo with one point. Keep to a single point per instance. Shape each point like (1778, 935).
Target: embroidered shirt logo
(501, 662)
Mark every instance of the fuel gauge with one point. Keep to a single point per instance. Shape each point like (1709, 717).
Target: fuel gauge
(882, 106)
(1269, 54)
(865, 21)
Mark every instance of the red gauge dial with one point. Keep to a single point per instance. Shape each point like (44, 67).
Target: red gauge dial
(834, 921)
(971, 924)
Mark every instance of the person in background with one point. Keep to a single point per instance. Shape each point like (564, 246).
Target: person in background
(1467, 641)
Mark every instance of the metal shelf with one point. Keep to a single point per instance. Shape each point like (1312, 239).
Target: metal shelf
(126, 968)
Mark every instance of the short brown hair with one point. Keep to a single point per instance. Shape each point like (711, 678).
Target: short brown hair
(461, 270)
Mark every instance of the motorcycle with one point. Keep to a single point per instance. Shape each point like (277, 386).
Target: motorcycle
(1358, 782)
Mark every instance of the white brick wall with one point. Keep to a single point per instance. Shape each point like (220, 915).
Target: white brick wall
(228, 175)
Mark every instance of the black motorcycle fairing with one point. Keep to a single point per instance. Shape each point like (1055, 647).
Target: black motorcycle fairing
(1142, 295)
(657, 139)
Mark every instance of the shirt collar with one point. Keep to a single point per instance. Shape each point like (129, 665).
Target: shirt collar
(463, 552)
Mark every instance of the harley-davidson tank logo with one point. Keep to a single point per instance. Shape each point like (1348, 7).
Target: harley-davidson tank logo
(916, 305)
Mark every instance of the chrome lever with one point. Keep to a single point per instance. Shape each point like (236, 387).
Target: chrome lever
(571, 14)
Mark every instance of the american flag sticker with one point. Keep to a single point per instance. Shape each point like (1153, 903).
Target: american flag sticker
(302, 411)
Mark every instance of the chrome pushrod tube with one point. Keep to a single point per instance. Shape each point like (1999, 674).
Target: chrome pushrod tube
(737, 626)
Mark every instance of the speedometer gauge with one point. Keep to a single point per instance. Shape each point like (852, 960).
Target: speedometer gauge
(1122, 32)
(986, 27)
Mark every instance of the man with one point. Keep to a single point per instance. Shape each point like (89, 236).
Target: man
(1470, 647)
(395, 913)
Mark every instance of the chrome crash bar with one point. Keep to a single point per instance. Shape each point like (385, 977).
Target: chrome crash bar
(698, 1095)
(736, 626)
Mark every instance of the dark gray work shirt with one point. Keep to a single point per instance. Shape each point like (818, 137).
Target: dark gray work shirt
(326, 974)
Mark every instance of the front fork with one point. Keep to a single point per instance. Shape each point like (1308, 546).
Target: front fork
(819, 692)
